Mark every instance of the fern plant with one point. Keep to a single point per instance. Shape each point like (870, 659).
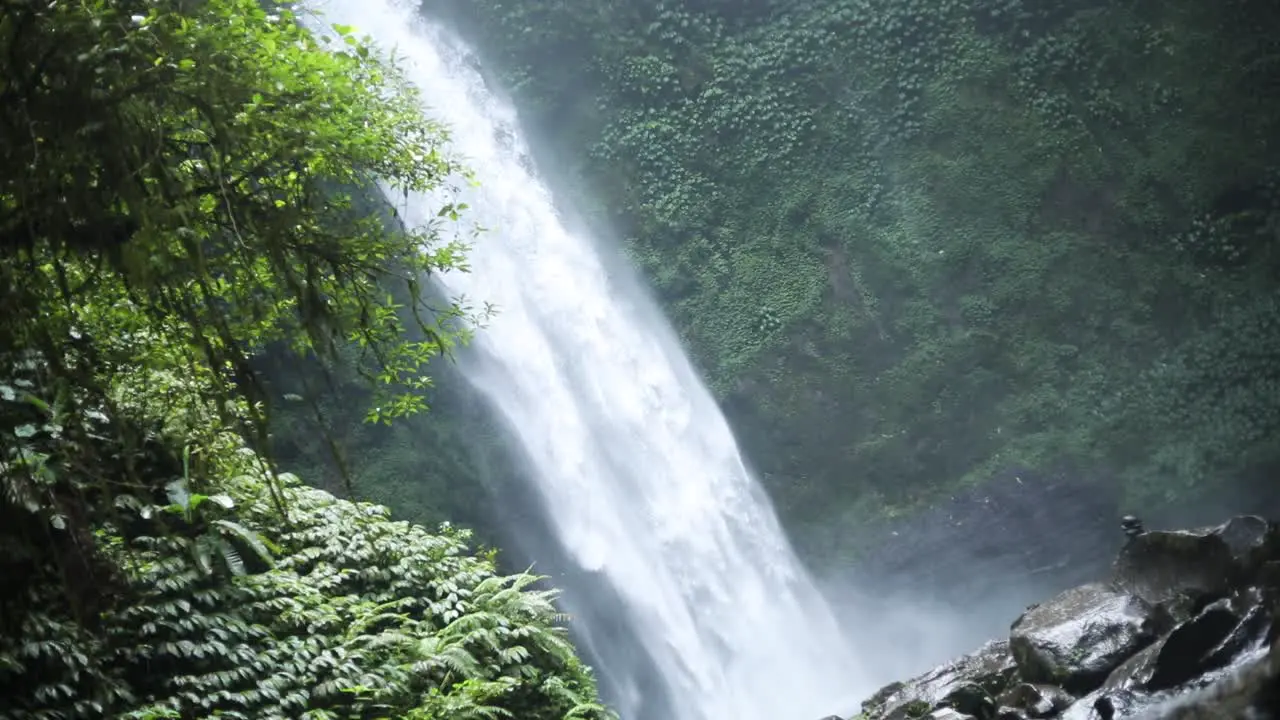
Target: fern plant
(356, 615)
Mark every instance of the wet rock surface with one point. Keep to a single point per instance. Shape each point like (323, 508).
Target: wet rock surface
(965, 685)
(1248, 536)
(1036, 701)
(1184, 627)
(1010, 528)
(1077, 638)
(1176, 568)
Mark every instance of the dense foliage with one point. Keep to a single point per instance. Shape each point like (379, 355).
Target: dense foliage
(183, 185)
(218, 608)
(914, 243)
(192, 171)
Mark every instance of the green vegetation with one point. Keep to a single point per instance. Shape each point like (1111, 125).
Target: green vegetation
(431, 467)
(180, 192)
(914, 243)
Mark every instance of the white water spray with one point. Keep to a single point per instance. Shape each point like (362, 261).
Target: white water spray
(645, 484)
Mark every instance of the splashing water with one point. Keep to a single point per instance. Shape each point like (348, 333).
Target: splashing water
(645, 486)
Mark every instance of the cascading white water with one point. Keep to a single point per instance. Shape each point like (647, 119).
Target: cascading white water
(645, 483)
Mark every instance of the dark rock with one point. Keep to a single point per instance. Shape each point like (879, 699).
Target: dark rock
(1256, 617)
(1250, 693)
(971, 699)
(1110, 705)
(1038, 700)
(1187, 569)
(1252, 541)
(965, 685)
(1227, 690)
(1134, 672)
(1105, 707)
(1185, 651)
(1181, 569)
(1008, 713)
(1079, 637)
(1214, 639)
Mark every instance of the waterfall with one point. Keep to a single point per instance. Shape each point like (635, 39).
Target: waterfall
(645, 488)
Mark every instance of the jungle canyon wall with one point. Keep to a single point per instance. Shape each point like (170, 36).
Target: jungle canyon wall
(916, 244)
(640, 479)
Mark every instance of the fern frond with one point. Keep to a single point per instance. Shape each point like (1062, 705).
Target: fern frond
(261, 546)
(231, 557)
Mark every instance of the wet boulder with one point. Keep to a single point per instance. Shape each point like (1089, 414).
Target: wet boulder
(1255, 611)
(1177, 657)
(965, 685)
(1187, 569)
(1255, 629)
(1249, 691)
(1036, 700)
(1134, 672)
(1109, 705)
(970, 699)
(1220, 648)
(1078, 638)
(1178, 568)
(1252, 541)
(1215, 638)
(1185, 652)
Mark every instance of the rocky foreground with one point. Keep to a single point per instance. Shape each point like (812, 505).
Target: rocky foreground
(1185, 627)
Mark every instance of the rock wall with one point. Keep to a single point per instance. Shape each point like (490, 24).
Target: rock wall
(1046, 529)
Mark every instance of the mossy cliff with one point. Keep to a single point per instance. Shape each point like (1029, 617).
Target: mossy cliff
(912, 244)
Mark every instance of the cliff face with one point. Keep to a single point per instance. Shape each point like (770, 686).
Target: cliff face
(913, 242)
